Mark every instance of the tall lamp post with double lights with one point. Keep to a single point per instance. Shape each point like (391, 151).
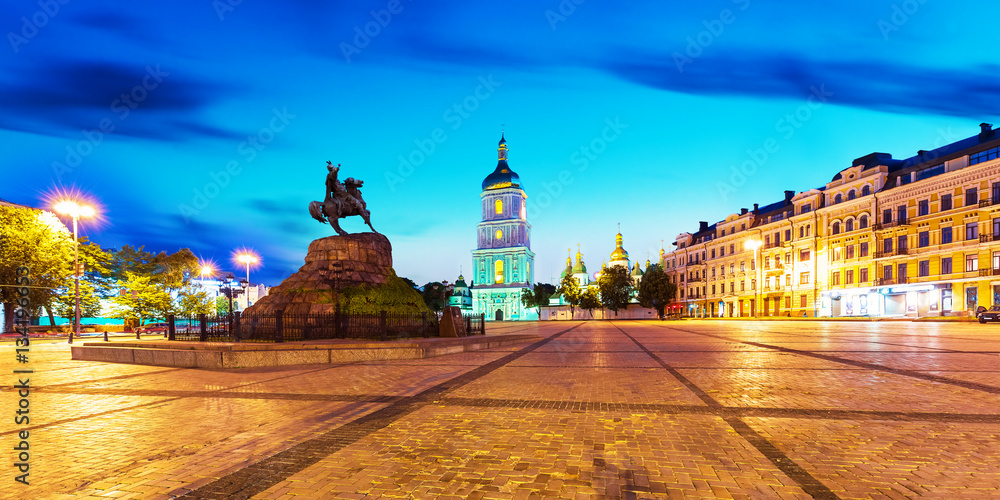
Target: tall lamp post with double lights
(76, 211)
(231, 291)
(754, 246)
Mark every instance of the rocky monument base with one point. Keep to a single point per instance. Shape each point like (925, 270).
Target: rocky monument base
(354, 270)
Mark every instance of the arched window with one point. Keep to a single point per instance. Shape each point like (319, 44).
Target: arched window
(498, 270)
(851, 195)
(863, 222)
(498, 234)
(836, 228)
(865, 191)
(837, 199)
(849, 225)
(498, 206)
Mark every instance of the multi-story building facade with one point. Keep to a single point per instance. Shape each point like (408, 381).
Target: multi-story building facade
(885, 237)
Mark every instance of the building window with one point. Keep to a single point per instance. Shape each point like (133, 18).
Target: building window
(722, 270)
(836, 228)
(808, 229)
(836, 253)
(945, 235)
(924, 268)
(863, 274)
(806, 208)
(837, 199)
(732, 248)
(788, 280)
(923, 207)
(901, 273)
(722, 251)
(713, 289)
(996, 260)
(901, 214)
(804, 278)
(498, 206)
(864, 249)
(865, 191)
(802, 232)
(971, 197)
(887, 216)
(901, 244)
(803, 255)
(850, 276)
(945, 202)
(863, 222)
(498, 234)
(835, 278)
(887, 246)
(972, 231)
(743, 266)
(924, 239)
(887, 272)
(802, 301)
(498, 270)
(989, 154)
(849, 225)
(732, 268)
(971, 263)
(946, 265)
(788, 302)
(851, 195)
(713, 253)
(732, 287)
(849, 251)
(753, 284)
(713, 274)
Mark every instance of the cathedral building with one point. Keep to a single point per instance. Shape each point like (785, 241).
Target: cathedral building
(503, 261)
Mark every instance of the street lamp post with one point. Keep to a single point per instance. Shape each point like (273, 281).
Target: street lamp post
(75, 210)
(247, 258)
(754, 246)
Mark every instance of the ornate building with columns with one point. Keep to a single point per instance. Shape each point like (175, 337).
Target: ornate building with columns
(503, 262)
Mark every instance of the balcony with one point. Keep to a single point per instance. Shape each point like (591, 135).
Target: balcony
(986, 238)
(891, 253)
(772, 245)
(886, 225)
(696, 280)
(891, 281)
(988, 202)
(989, 272)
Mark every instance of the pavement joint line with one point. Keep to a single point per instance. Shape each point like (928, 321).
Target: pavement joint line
(863, 364)
(794, 471)
(260, 476)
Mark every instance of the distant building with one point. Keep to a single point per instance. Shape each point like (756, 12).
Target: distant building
(503, 260)
(461, 296)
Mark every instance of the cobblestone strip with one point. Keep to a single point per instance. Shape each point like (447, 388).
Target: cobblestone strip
(803, 478)
(861, 364)
(258, 477)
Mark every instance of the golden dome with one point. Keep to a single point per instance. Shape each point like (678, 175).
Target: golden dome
(619, 253)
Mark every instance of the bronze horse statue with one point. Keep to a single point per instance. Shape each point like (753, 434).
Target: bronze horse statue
(341, 200)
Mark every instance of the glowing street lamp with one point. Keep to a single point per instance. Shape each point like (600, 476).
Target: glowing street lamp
(754, 246)
(75, 210)
(247, 258)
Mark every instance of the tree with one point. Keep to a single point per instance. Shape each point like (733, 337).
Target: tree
(221, 305)
(656, 290)
(537, 297)
(37, 240)
(192, 302)
(140, 298)
(64, 306)
(435, 296)
(175, 270)
(615, 286)
(590, 300)
(569, 288)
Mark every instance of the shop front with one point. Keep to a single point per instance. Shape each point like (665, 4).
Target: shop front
(899, 301)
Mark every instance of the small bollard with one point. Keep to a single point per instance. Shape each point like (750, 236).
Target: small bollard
(137, 336)
(105, 335)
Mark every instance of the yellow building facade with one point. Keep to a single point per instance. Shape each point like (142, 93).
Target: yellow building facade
(884, 238)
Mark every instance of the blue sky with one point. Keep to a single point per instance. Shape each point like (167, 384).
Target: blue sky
(631, 114)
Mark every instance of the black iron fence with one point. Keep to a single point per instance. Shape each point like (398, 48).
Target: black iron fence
(284, 327)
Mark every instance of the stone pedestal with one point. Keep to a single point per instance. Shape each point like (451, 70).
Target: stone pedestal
(332, 264)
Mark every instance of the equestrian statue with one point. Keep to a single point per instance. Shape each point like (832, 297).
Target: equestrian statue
(340, 200)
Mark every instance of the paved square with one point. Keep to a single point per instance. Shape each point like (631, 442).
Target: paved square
(620, 409)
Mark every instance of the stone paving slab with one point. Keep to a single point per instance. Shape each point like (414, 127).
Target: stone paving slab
(620, 409)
